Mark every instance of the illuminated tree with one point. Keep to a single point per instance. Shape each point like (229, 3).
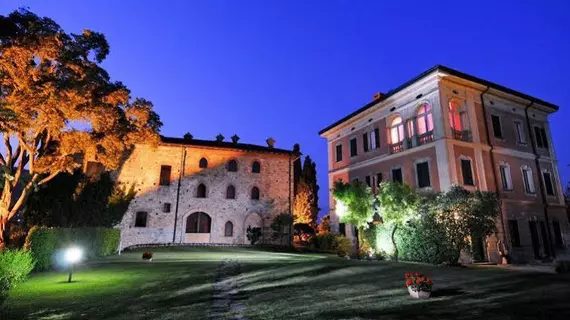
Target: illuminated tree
(354, 204)
(302, 212)
(398, 205)
(325, 225)
(58, 106)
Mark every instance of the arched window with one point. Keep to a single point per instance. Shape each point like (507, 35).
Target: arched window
(232, 165)
(424, 119)
(396, 130)
(229, 229)
(203, 163)
(256, 167)
(255, 193)
(201, 191)
(198, 222)
(230, 192)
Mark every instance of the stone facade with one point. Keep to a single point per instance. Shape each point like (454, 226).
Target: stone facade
(479, 131)
(169, 200)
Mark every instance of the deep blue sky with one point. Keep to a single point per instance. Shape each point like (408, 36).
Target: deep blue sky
(287, 69)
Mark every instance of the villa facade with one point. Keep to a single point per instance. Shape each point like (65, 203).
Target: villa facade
(445, 127)
(200, 191)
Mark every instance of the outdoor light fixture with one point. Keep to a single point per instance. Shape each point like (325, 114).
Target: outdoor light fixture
(340, 208)
(72, 256)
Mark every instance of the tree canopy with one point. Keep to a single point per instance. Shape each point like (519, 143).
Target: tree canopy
(356, 200)
(58, 106)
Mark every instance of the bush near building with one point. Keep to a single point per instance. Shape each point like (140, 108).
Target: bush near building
(15, 265)
(44, 242)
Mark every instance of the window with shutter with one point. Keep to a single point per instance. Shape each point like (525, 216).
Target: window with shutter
(339, 153)
(497, 130)
(353, 148)
(377, 137)
(514, 233)
(467, 172)
(365, 142)
(548, 183)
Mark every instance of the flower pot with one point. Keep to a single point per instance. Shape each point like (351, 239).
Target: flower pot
(419, 294)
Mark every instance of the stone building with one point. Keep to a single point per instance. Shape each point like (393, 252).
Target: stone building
(200, 191)
(446, 127)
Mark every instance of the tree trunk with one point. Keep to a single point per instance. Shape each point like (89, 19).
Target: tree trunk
(3, 229)
(394, 242)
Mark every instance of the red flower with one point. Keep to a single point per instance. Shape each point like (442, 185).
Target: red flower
(409, 283)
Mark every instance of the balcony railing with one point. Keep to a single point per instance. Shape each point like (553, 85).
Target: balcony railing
(397, 147)
(425, 138)
(463, 135)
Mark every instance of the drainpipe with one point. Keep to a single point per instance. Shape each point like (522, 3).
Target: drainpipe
(183, 162)
(540, 180)
(492, 155)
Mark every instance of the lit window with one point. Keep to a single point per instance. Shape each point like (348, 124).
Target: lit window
(397, 130)
(455, 116)
(424, 119)
(528, 180)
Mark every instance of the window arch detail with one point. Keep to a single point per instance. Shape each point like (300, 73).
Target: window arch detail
(424, 119)
(198, 222)
(203, 164)
(229, 229)
(201, 191)
(230, 192)
(255, 193)
(232, 165)
(396, 130)
(256, 167)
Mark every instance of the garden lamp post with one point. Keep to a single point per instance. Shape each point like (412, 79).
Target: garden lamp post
(72, 256)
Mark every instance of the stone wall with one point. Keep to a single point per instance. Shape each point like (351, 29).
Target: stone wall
(142, 169)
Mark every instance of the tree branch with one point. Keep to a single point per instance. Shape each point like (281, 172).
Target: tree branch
(23, 196)
(8, 148)
(48, 178)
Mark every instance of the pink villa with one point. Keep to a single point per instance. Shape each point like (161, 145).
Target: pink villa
(445, 127)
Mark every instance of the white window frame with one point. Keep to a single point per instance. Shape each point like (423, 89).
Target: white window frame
(521, 136)
(399, 129)
(529, 189)
(467, 186)
(423, 117)
(372, 140)
(461, 112)
(509, 179)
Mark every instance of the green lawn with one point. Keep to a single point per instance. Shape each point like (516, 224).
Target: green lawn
(178, 285)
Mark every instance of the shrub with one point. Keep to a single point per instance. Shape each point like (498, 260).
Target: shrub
(253, 234)
(15, 265)
(95, 242)
(332, 243)
(342, 245)
(41, 242)
(17, 236)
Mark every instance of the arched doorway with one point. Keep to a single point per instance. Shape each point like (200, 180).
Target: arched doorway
(254, 220)
(198, 228)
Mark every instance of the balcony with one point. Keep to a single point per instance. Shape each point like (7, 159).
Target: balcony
(425, 138)
(397, 147)
(463, 135)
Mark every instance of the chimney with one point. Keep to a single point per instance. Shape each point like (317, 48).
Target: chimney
(378, 96)
(235, 138)
(270, 142)
(220, 138)
(188, 136)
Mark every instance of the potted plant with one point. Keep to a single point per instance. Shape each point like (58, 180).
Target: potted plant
(419, 286)
(147, 256)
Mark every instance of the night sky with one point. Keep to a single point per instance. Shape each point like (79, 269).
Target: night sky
(287, 69)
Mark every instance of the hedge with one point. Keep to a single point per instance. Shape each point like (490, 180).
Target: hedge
(15, 265)
(330, 242)
(44, 243)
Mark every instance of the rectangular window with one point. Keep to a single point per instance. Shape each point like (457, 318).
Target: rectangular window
(528, 181)
(353, 148)
(373, 139)
(378, 178)
(165, 175)
(368, 181)
(342, 229)
(514, 233)
(540, 137)
(505, 177)
(422, 170)
(339, 153)
(520, 132)
(497, 130)
(557, 233)
(467, 172)
(376, 138)
(365, 142)
(140, 219)
(166, 207)
(548, 183)
(397, 175)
